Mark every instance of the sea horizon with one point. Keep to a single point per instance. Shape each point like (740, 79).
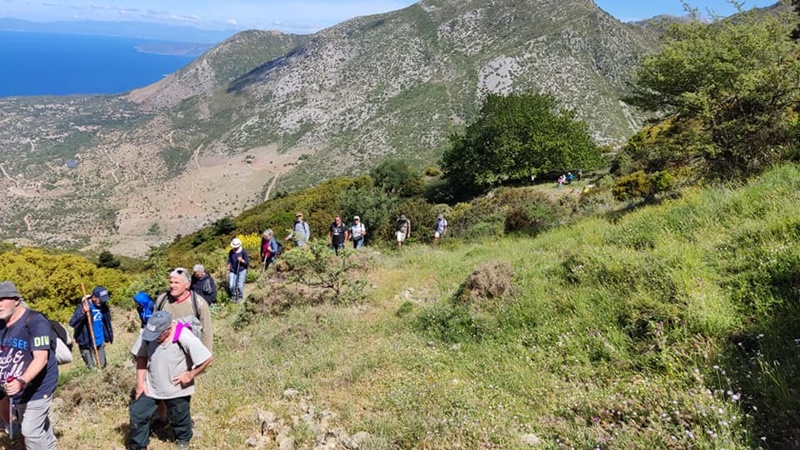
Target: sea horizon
(43, 64)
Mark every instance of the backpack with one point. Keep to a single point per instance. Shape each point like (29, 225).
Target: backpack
(192, 321)
(60, 340)
(280, 248)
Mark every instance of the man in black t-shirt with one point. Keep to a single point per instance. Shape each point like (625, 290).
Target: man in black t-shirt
(28, 368)
(337, 234)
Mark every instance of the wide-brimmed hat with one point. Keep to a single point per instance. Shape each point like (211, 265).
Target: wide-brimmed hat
(236, 243)
(156, 324)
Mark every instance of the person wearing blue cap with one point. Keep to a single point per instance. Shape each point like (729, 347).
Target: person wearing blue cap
(93, 309)
(168, 359)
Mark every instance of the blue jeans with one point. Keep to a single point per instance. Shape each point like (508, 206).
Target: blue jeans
(236, 289)
(357, 243)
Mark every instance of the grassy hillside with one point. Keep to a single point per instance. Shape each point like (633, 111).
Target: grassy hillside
(667, 326)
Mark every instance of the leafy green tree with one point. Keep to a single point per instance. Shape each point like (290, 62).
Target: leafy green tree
(224, 226)
(730, 90)
(516, 137)
(396, 177)
(51, 283)
(372, 204)
(107, 259)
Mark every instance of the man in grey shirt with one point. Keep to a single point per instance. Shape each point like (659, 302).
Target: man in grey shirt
(168, 359)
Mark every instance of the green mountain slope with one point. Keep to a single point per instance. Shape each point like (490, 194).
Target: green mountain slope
(667, 327)
(265, 111)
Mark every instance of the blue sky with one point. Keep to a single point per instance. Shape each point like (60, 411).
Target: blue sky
(294, 16)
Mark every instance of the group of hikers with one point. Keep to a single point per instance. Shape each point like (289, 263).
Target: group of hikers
(568, 178)
(172, 349)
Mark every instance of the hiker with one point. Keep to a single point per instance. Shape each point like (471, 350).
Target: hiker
(181, 302)
(28, 370)
(203, 284)
(561, 180)
(238, 261)
(97, 303)
(269, 248)
(144, 306)
(300, 231)
(337, 234)
(440, 229)
(580, 174)
(403, 230)
(168, 359)
(570, 177)
(357, 232)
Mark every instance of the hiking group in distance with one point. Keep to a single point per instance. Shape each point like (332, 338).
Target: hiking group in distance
(173, 347)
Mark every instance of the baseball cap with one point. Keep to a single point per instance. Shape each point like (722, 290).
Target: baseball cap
(356, 218)
(156, 324)
(101, 293)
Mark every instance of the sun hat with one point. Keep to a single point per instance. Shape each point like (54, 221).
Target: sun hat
(236, 243)
(356, 218)
(156, 324)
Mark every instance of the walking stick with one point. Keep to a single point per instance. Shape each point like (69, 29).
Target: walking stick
(264, 265)
(10, 413)
(90, 324)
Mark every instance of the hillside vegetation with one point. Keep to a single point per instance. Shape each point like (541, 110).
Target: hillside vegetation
(669, 326)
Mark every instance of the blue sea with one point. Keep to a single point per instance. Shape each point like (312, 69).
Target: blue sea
(61, 64)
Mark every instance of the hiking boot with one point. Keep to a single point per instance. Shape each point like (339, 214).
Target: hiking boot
(182, 445)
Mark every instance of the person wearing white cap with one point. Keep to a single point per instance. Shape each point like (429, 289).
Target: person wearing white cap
(440, 229)
(357, 232)
(238, 261)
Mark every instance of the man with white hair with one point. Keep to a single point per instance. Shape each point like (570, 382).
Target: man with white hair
(182, 303)
(203, 284)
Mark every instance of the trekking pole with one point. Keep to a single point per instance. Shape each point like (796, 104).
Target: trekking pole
(90, 324)
(10, 413)
(264, 266)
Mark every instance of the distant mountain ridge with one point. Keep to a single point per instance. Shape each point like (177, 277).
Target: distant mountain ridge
(265, 111)
(143, 30)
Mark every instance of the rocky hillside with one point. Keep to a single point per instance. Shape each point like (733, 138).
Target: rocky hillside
(265, 111)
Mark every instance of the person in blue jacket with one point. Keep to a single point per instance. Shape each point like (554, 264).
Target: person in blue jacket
(144, 306)
(96, 312)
